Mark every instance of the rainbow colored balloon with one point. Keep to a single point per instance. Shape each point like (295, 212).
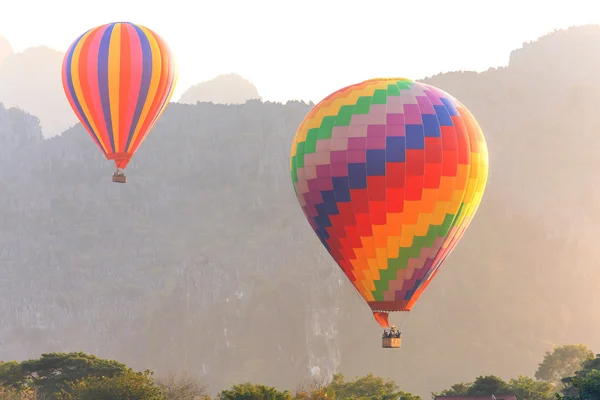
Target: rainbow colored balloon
(119, 78)
(389, 174)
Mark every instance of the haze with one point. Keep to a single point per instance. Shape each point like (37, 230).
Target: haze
(281, 46)
(203, 261)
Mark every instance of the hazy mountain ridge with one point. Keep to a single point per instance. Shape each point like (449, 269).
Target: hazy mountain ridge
(223, 89)
(204, 261)
(31, 80)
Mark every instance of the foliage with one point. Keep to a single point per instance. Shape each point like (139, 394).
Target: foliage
(127, 385)
(586, 367)
(562, 362)
(79, 376)
(489, 384)
(524, 388)
(584, 382)
(458, 389)
(182, 387)
(313, 389)
(53, 372)
(13, 394)
(367, 387)
(247, 391)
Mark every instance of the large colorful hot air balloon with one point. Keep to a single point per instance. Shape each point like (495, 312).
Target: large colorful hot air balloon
(119, 78)
(389, 174)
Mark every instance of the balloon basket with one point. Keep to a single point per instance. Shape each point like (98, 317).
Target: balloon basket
(390, 343)
(119, 178)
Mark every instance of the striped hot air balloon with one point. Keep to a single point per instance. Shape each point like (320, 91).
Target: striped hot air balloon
(119, 78)
(389, 174)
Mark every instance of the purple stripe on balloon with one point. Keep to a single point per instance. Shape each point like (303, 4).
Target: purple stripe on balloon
(311, 210)
(425, 105)
(313, 185)
(396, 130)
(375, 131)
(433, 97)
(313, 198)
(339, 170)
(325, 184)
(417, 274)
(413, 119)
(310, 220)
(395, 119)
(376, 143)
(411, 109)
(338, 157)
(357, 143)
(403, 276)
(323, 171)
(358, 156)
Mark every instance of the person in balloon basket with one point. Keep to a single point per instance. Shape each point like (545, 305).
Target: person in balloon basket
(392, 333)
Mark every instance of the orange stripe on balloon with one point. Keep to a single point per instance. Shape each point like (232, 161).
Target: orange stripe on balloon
(135, 80)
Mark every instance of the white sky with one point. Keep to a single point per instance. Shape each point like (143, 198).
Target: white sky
(306, 49)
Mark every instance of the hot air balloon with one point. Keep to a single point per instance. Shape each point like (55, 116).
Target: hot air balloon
(119, 78)
(389, 173)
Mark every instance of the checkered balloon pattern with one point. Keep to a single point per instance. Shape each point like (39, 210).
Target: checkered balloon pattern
(389, 174)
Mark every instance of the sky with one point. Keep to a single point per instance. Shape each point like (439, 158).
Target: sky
(304, 50)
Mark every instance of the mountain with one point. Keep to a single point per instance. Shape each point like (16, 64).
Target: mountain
(545, 97)
(204, 262)
(31, 80)
(224, 89)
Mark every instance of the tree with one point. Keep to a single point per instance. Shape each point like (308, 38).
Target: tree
(458, 389)
(312, 389)
(570, 383)
(182, 387)
(53, 372)
(586, 367)
(585, 386)
(13, 394)
(367, 387)
(562, 362)
(315, 394)
(246, 391)
(488, 385)
(526, 388)
(128, 385)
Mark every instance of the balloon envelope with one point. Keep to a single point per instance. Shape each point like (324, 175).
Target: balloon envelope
(389, 173)
(119, 78)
